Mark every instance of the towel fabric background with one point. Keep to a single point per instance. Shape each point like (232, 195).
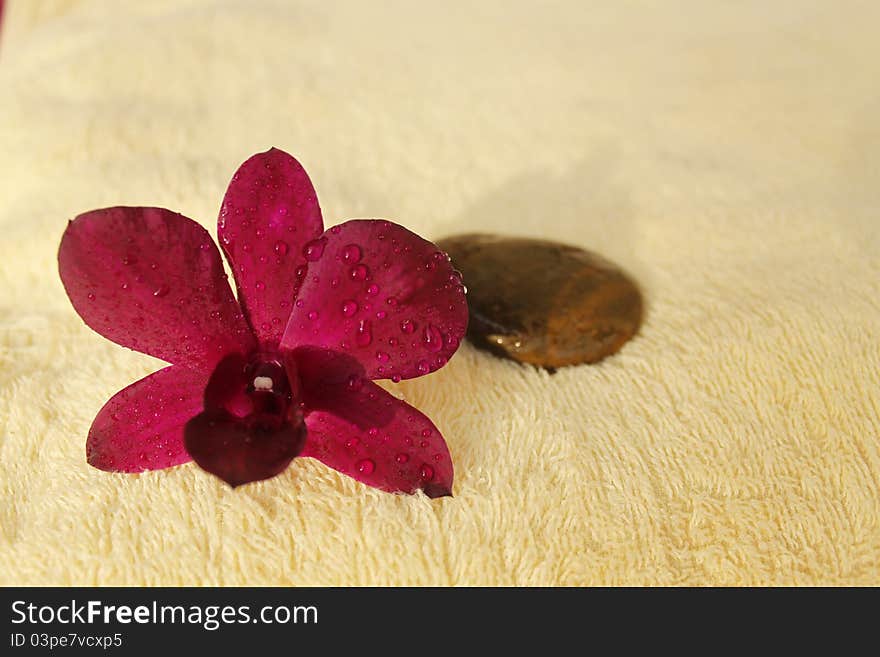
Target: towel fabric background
(726, 154)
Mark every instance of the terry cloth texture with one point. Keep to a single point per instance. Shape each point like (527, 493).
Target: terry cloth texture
(726, 154)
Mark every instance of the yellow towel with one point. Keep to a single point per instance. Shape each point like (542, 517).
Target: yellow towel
(726, 154)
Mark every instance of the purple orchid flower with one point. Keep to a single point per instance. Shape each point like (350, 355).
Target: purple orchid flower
(287, 369)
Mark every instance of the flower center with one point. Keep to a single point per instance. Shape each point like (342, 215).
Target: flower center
(256, 391)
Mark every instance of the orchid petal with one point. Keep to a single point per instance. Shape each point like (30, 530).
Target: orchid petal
(153, 281)
(384, 295)
(370, 435)
(269, 214)
(141, 427)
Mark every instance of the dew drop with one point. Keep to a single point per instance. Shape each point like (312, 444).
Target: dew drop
(313, 315)
(260, 286)
(433, 338)
(300, 303)
(314, 249)
(247, 248)
(373, 290)
(366, 467)
(382, 357)
(426, 432)
(353, 442)
(352, 253)
(360, 272)
(402, 458)
(381, 314)
(90, 296)
(349, 307)
(426, 472)
(355, 382)
(391, 301)
(438, 457)
(364, 333)
(408, 326)
(396, 378)
(129, 260)
(301, 271)
(423, 367)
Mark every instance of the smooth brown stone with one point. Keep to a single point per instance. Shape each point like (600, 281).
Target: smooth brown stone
(544, 303)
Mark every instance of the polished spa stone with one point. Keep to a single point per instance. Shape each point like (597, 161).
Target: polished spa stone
(544, 303)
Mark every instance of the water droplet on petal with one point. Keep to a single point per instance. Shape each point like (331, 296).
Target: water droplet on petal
(349, 307)
(423, 367)
(300, 303)
(281, 248)
(355, 382)
(351, 253)
(426, 472)
(360, 272)
(301, 271)
(366, 467)
(382, 357)
(373, 290)
(247, 248)
(314, 249)
(129, 260)
(90, 296)
(433, 338)
(313, 315)
(408, 326)
(396, 378)
(381, 314)
(391, 301)
(364, 333)
(260, 285)
(402, 458)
